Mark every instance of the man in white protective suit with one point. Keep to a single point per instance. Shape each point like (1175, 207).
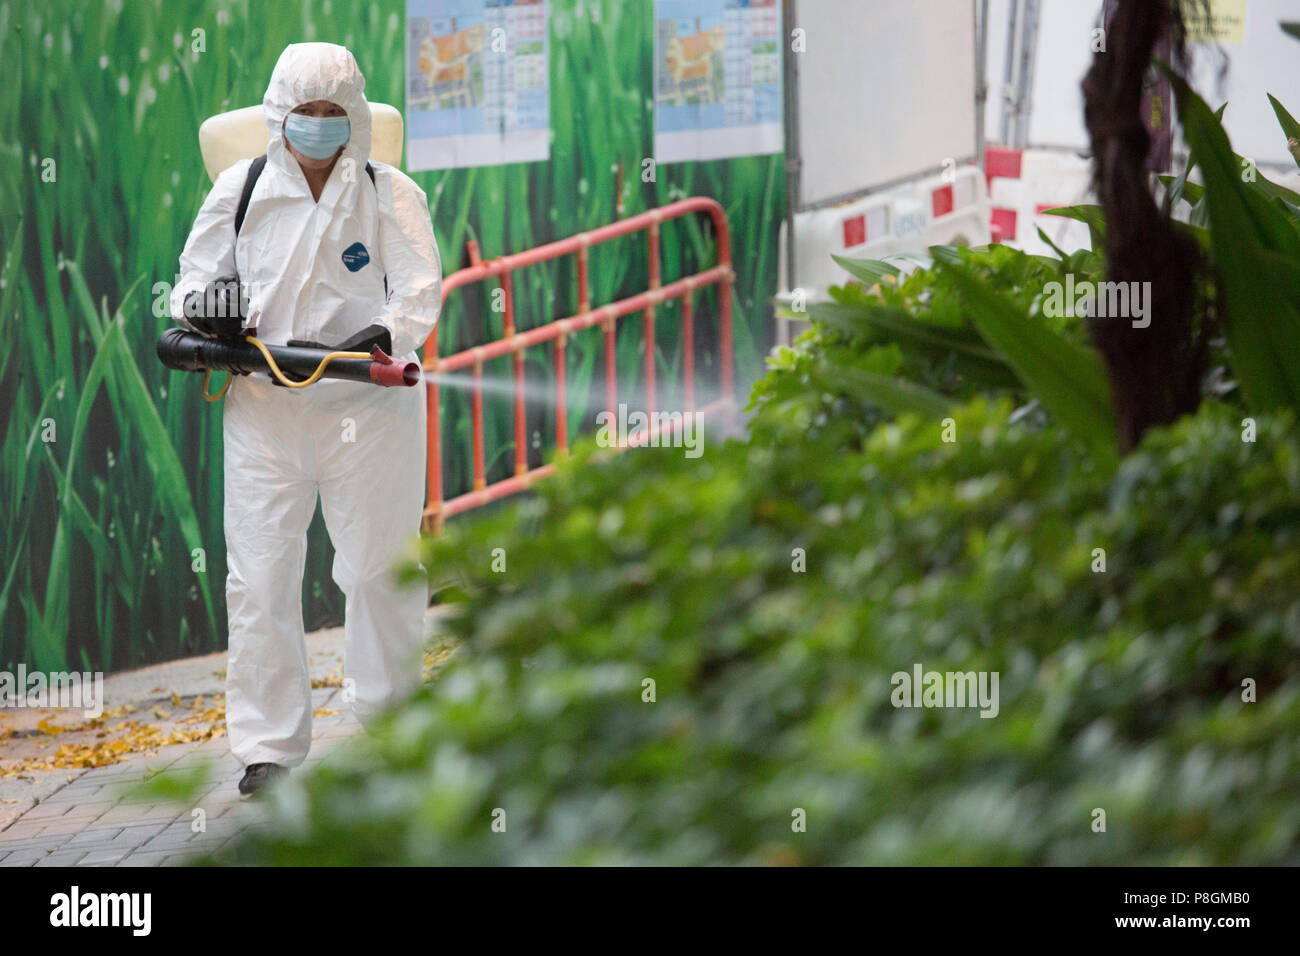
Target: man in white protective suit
(336, 251)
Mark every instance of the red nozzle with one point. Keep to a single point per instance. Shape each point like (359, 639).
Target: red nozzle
(390, 374)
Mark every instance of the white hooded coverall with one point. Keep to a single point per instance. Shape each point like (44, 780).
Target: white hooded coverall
(315, 271)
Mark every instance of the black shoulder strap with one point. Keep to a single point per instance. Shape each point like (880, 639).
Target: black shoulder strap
(370, 171)
(254, 171)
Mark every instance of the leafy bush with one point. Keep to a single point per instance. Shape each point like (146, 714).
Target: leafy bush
(1118, 690)
(972, 321)
(914, 327)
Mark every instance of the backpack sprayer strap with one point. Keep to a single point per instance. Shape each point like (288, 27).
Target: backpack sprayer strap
(255, 170)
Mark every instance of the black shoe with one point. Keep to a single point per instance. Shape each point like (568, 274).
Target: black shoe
(260, 775)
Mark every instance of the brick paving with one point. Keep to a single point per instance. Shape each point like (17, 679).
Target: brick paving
(97, 819)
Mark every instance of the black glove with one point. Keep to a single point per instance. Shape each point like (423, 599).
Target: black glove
(220, 309)
(363, 341)
(368, 338)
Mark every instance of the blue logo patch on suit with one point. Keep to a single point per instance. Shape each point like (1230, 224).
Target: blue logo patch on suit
(355, 256)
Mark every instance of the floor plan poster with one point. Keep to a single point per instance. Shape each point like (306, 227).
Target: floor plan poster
(717, 79)
(477, 82)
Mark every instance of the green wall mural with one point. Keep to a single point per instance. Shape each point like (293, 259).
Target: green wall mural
(111, 545)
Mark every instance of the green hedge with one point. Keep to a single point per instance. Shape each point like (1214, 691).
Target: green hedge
(1119, 690)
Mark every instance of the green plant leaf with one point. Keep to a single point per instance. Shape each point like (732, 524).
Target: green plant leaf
(917, 259)
(870, 271)
(1089, 214)
(1290, 128)
(1253, 241)
(896, 325)
(950, 254)
(893, 395)
(1192, 192)
(1054, 247)
(1068, 379)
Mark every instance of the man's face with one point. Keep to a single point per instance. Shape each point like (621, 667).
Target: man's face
(316, 108)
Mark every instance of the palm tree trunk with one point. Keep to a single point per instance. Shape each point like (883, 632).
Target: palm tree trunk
(1154, 372)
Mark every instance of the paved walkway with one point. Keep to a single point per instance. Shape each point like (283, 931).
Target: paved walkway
(99, 817)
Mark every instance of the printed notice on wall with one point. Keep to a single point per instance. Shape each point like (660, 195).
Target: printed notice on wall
(1226, 22)
(717, 79)
(477, 83)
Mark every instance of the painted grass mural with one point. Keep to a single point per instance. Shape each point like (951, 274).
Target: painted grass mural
(111, 546)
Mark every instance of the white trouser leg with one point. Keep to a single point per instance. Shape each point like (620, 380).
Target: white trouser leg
(372, 496)
(270, 500)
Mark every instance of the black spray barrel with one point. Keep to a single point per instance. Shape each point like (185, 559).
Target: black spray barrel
(192, 352)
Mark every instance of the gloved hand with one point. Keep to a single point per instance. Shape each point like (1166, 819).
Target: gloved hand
(363, 341)
(220, 309)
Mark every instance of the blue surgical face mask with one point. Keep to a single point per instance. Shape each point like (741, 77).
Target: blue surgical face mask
(318, 137)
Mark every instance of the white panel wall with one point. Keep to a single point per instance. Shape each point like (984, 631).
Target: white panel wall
(1064, 55)
(886, 90)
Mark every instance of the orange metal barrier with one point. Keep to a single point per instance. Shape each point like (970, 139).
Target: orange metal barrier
(557, 331)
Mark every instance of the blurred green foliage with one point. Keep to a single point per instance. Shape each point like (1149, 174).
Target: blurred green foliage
(1119, 690)
(916, 326)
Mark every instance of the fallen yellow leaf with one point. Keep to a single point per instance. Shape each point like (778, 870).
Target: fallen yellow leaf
(333, 679)
(132, 737)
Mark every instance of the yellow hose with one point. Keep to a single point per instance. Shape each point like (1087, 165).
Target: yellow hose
(311, 379)
(207, 377)
(275, 370)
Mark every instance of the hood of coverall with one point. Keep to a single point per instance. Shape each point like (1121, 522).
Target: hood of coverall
(316, 71)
